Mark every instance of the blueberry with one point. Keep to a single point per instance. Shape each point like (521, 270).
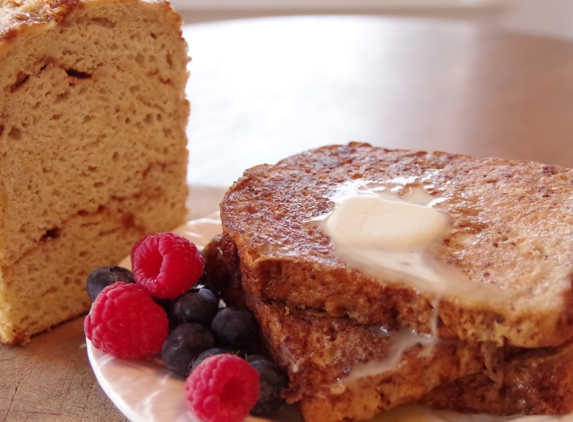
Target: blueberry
(166, 304)
(272, 381)
(234, 328)
(207, 354)
(255, 357)
(183, 345)
(102, 277)
(198, 306)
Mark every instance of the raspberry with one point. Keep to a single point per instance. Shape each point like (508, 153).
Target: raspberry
(166, 265)
(125, 322)
(223, 388)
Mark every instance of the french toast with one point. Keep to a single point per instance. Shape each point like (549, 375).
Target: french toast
(509, 240)
(321, 353)
(533, 382)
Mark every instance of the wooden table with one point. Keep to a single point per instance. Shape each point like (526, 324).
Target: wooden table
(263, 89)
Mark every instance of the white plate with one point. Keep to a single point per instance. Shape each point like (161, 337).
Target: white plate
(145, 391)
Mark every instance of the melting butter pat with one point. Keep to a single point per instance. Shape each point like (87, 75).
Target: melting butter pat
(374, 222)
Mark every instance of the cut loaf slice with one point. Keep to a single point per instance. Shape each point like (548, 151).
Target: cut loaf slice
(511, 240)
(92, 146)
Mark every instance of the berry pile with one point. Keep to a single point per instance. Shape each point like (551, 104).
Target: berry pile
(161, 309)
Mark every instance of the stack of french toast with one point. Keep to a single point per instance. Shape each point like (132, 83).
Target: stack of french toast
(388, 277)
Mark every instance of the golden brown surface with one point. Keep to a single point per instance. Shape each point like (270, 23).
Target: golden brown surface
(16, 14)
(531, 382)
(319, 352)
(92, 147)
(516, 213)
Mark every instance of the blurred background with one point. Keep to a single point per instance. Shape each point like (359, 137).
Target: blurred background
(478, 77)
(552, 18)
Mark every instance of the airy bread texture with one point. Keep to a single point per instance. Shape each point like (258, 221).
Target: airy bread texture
(92, 146)
(511, 235)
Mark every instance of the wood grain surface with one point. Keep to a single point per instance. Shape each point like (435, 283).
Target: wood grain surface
(263, 89)
(50, 379)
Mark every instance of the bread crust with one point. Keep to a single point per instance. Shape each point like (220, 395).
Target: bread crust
(516, 213)
(319, 351)
(19, 16)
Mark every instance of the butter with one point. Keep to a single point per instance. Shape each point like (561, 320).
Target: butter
(390, 231)
(374, 222)
(386, 231)
(402, 340)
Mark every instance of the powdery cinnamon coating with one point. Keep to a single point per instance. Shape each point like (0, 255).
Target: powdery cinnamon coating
(517, 216)
(92, 146)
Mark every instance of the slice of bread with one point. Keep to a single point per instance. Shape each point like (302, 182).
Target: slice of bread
(92, 146)
(510, 239)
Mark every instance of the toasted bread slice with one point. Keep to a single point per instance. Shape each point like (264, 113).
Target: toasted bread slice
(511, 235)
(319, 352)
